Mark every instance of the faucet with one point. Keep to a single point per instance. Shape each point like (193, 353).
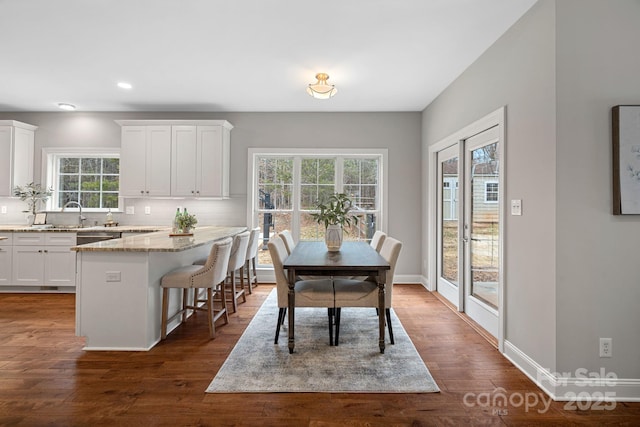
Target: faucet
(80, 217)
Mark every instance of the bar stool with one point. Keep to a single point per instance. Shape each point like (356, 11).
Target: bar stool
(207, 276)
(250, 261)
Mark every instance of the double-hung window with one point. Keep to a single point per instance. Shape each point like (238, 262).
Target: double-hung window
(88, 177)
(285, 186)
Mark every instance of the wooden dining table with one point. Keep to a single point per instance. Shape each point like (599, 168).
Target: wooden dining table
(355, 258)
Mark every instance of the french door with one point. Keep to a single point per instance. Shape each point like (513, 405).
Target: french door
(468, 226)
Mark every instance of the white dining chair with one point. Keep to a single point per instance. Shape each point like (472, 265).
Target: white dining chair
(377, 240)
(364, 293)
(250, 259)
(308, 293)
(289, 243)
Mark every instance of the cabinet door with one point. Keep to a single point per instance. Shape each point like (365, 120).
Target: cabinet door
(210, 161)
(158, 174)
(23, 141)
(183, 161)
(5, 265)
(59, 266)
(28, 266)
(133, 154)
(6, 136)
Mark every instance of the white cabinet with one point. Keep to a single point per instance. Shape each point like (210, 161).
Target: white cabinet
(6, 256)
(145, 161)
(16, 155)
(44, 259)
(190, 158)
(200, 161)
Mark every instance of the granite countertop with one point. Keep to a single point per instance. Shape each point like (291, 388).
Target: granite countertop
(74, 229)
(160, 241)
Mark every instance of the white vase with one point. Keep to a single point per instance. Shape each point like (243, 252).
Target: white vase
(333, 237)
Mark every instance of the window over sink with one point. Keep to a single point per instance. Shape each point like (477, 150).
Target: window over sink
(90, 177)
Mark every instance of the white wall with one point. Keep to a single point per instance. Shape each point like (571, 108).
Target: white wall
(598, 274)
(518, 72)
(399, 132)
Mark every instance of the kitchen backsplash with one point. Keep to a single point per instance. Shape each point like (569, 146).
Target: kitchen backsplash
(228, 212)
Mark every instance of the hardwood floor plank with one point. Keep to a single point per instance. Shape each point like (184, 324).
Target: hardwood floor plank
(47, 379)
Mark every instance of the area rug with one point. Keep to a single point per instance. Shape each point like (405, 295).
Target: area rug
(257, 365)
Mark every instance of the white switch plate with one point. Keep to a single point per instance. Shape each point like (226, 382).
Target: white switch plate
(147, 210)
(516, 207)
(4, 209)
(112, 276)
(130, 210)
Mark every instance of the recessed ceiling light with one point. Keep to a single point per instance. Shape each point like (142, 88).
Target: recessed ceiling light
(124, 85)
(66, 107)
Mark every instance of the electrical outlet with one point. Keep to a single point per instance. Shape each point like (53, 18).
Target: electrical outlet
(605, 347)
(147, 210)
(130, 210)
(4, 209)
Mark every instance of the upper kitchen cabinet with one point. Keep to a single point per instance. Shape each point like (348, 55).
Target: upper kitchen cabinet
(190, 158)
(16, 155)
(200, 161)
(145, 161)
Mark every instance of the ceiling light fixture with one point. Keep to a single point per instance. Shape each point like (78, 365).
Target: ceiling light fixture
(66, 107)
(124, 85)
(321, 89)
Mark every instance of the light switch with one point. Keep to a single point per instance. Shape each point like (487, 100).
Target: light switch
(112, 276)
(147, 210)
(516, 207)
(130, 210)
(4, 209)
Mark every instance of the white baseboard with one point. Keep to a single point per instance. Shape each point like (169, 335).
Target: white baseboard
(578, 386)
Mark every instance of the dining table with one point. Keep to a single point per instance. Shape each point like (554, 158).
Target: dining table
(355, 258)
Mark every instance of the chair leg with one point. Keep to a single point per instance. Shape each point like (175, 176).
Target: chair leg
(247, 267)
(337, 320)
(212, 326)
(254, 279)
(165, 311)
(223, 298)
(185, 294)
(244, 294)
(234, 301)
(388, 312)
(281, 314)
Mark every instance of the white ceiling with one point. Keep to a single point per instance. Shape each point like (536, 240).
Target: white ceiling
(240, 55)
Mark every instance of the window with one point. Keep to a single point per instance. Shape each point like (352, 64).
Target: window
(286, 184)
(89, 178)
(491, 192)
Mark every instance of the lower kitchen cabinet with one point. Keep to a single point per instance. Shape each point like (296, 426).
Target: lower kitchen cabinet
(6, 256)
(44, 259)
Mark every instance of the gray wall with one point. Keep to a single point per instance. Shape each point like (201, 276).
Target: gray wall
(399, 132)
(517, 72)
(571, 267)
(598, 273)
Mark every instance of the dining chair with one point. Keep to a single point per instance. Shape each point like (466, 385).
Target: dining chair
(250, 260)
(209, 276)
(309, 293)
(288, 240)
(377, 240)
(364, 293)
(236, 262)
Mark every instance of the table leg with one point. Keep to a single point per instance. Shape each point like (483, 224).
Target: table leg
(292, 306)
(381, 309)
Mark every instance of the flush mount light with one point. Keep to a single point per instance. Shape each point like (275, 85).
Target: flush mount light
(124, 85)
(321, 89)
(66, 107)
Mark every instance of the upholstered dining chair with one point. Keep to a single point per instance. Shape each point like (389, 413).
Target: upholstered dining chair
(250, 260)
(289, 244)
(209, 276)
(364, 293)
(309, 293)
(377, 240)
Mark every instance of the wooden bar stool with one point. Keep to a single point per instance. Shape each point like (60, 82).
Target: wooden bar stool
(250, 261)
(209, 276)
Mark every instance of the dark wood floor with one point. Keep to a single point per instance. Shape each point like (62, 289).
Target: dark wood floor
(47, 379)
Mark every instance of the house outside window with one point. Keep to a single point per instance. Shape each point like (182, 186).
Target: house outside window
(286, 185)
(491, 191)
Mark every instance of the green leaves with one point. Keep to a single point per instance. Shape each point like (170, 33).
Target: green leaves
(335, 211)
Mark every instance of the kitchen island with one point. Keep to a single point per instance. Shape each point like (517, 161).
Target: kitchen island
(118, 295)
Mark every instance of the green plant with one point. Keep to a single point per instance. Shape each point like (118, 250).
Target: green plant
(186, 221)
(335, 211)
(32, 193)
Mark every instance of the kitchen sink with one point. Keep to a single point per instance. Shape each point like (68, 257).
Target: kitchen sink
(86, 235)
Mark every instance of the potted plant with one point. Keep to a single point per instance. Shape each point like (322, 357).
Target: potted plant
(33, 194)
(185, 222)
(334, 214)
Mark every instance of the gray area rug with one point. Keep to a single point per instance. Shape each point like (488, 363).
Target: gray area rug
(258, 365)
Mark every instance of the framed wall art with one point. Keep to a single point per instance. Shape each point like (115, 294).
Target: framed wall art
(626, 159)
